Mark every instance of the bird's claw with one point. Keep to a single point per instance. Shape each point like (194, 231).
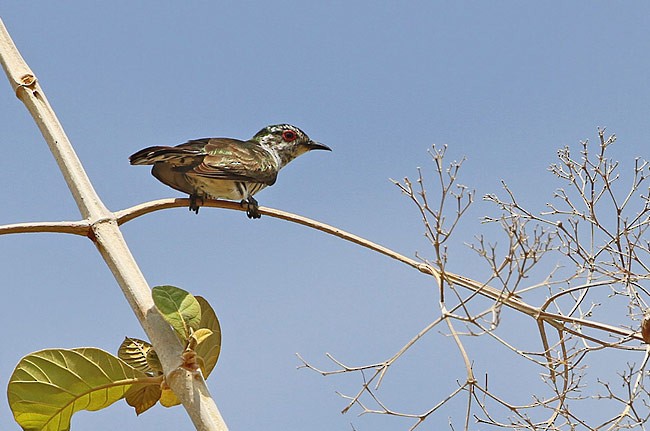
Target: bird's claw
(194, 203)
(252, 209)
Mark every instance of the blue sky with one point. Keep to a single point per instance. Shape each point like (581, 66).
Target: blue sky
(503, 83)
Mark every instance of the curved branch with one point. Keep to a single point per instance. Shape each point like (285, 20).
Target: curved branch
(136, 211)
(509, 299)
(131, 213)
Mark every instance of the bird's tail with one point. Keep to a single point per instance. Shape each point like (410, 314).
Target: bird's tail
(151, 155)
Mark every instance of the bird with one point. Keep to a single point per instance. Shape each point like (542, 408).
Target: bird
(212, 168)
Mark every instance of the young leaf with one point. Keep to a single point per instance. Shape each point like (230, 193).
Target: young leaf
(154, 362)
(179, 308)
(143, 396)
(169, 398)
(209, 347)
(134, 352)
(201, 334)
(49, 386)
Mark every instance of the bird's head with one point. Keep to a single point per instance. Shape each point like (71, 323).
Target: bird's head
(287, 141)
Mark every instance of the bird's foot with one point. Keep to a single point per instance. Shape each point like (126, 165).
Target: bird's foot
(194, 203)
(252, 209)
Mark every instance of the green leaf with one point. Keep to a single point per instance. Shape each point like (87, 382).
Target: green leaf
(179, 308)
(208, 348)
(49, 386)
(134, 352)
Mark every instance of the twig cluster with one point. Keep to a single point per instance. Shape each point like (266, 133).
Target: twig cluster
(578, 270)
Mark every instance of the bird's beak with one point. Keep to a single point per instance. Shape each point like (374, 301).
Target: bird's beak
(313, 145)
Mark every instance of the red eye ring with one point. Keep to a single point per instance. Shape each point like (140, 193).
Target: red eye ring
(289, 135)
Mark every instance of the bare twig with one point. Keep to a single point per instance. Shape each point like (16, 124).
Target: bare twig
(601, 237)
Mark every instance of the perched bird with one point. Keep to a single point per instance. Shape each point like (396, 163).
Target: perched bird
(212, 168)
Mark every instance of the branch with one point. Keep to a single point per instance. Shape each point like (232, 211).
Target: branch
(72, 227)
(192, 392)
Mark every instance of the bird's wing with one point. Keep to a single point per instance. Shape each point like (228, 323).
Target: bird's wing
(232, 159)
(176, 156)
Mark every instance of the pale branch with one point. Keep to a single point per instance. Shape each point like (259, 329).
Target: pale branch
(509, 299)
(82, 227)
(189, 387)
(633, 393)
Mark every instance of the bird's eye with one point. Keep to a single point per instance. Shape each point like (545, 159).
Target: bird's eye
(289, 135)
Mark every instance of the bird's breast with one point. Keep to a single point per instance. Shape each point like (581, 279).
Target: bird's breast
(225, 189)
